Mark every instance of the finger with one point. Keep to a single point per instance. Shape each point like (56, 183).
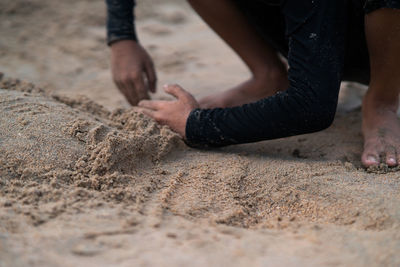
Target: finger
(129, 92)
(118, 84)
(148, 112)
(176, 90)
(141, 88)
(155, 115)
(121, 88)
(153, 105)
(151, 76)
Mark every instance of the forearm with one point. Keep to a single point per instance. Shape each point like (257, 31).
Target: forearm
(120, 20)
(285, 114)
(308, 105)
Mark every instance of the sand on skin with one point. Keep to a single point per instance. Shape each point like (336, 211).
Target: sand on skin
(84, 185)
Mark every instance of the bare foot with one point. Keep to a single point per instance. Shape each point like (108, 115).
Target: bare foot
(381, 130)
(252, 90)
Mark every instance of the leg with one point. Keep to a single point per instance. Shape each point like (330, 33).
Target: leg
(381, 127)
(268, 71)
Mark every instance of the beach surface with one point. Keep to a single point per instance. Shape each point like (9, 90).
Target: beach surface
(86, 180)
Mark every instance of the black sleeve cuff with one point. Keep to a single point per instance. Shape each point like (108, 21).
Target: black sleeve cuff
(120, 21)
(202, 129)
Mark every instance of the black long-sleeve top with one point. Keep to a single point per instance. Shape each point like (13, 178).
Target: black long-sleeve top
(120, 20)
(316, 32)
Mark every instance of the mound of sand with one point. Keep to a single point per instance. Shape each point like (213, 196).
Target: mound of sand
(53, 139)
(61, 156)
(53, 142)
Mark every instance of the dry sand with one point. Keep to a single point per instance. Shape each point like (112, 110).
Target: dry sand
(87, 185)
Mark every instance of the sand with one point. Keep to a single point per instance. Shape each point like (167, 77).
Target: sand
(85, 180)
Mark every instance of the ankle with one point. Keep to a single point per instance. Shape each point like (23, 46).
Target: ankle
(375, 100)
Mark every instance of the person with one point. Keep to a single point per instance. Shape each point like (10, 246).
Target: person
(324, 42)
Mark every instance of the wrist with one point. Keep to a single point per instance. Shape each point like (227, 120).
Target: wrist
(124, 47)
(122, 42)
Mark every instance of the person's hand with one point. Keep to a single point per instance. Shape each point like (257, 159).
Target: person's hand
(133, 70)
(172, 113)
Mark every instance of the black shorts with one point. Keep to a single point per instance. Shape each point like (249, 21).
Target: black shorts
(270, 23)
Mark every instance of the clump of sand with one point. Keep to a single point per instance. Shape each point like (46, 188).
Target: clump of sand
(51, 141)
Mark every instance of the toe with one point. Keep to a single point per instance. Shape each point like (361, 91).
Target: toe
(370, 159)
(373, 150)
(398, 153)
(391, 160)
(398, 156)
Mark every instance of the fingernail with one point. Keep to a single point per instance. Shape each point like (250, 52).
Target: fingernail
(392, 160)
(165, 86)
(372, 159)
